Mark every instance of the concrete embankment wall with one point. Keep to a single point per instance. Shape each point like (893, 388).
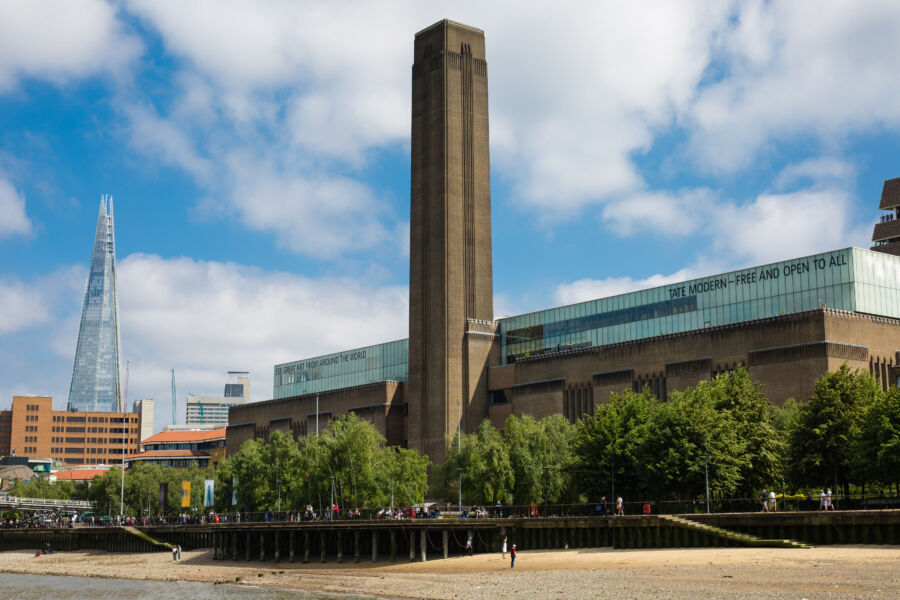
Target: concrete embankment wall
(111, 539)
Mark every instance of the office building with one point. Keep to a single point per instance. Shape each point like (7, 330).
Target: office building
(96, 384)
(145, 406)
(787, 322)
(67, 437)
(213, 410)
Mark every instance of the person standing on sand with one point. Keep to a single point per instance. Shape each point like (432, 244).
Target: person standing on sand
(512, 557)
(469, 546)
(174, 553)
(503, 550)
(179, 551)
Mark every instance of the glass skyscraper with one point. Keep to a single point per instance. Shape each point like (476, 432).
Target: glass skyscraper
(95, 377)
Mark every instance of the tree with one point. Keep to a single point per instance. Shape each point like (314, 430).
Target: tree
(605, 443)
(350, 454)
(681, 433)
(742, 401)
(827, 425)
(875, 451)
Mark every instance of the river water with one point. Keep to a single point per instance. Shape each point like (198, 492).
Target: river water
(51, 587)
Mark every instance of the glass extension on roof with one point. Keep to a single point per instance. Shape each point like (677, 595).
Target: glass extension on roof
(382, 362)
(850, 279)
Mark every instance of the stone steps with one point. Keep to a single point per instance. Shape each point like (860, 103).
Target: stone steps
(733, 536)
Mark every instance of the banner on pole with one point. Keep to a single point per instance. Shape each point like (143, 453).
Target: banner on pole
(234, 491)
(185, 494)
(163, 495)
(209, 498)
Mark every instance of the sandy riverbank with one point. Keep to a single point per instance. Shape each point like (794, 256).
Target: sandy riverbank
(823, 572)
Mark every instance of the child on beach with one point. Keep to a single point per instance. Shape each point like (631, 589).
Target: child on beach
(512, 557)
(503, 550)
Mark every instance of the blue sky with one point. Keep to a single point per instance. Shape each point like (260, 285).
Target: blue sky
(258, 155)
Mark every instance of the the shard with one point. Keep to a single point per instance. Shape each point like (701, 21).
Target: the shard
(96, 382)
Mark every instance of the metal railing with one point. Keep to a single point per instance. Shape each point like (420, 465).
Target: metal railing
(8, 502)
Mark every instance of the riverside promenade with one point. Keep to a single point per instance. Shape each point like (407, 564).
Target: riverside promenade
(425, 539)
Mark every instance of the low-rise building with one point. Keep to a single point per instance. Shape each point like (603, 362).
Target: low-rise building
(183, 449)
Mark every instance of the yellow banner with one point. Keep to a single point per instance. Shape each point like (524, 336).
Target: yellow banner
(185, 494)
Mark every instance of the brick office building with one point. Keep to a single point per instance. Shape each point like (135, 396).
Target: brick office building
(32, 428)
(787, 322)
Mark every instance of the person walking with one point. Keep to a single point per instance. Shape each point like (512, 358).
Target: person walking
(620, 507)
(822, 505)
(828, 504)
(773, 506)
(469, 545)
(764, 497)
(512, 557)
(503, 550)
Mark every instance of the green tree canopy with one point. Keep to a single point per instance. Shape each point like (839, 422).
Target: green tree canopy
(820, 443)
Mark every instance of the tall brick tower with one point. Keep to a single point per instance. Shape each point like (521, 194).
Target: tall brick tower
(451, 308)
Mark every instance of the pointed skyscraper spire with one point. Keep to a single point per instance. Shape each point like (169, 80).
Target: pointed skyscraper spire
(96, 383)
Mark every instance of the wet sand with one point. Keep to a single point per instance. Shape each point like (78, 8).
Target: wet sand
(823, 572)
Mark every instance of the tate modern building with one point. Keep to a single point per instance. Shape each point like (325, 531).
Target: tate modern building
(787, 322)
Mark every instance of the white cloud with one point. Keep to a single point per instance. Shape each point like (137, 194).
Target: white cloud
(205, 318)
(571, 99)
(27, 304)
(166, 142)
(814, 210)
(13, 219)
(591, 289)
(321, 215)
(818, 172)
(790, 68)
(676, 214)
(201, 318)
(62, 41)
(777, 226)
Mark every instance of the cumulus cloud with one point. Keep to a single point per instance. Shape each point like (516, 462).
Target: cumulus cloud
(201, 318)
(27, 304)
(776, 226)
(670, 213)
(788, 68)
(205, 318)
(571, 100)
(164, 141)
(13, 220)
(811, 209)
(62, 41)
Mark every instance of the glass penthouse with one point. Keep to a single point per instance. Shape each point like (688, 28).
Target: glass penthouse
(850, 279)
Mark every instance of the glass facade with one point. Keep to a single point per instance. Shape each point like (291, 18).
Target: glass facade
(95, 385)
(382, 362)
(850, 279)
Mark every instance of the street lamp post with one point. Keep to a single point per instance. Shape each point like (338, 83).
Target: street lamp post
(612, 476)
(278, 484)
(706, 468)
(331, 508)
(460, 488)
(392, 491)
